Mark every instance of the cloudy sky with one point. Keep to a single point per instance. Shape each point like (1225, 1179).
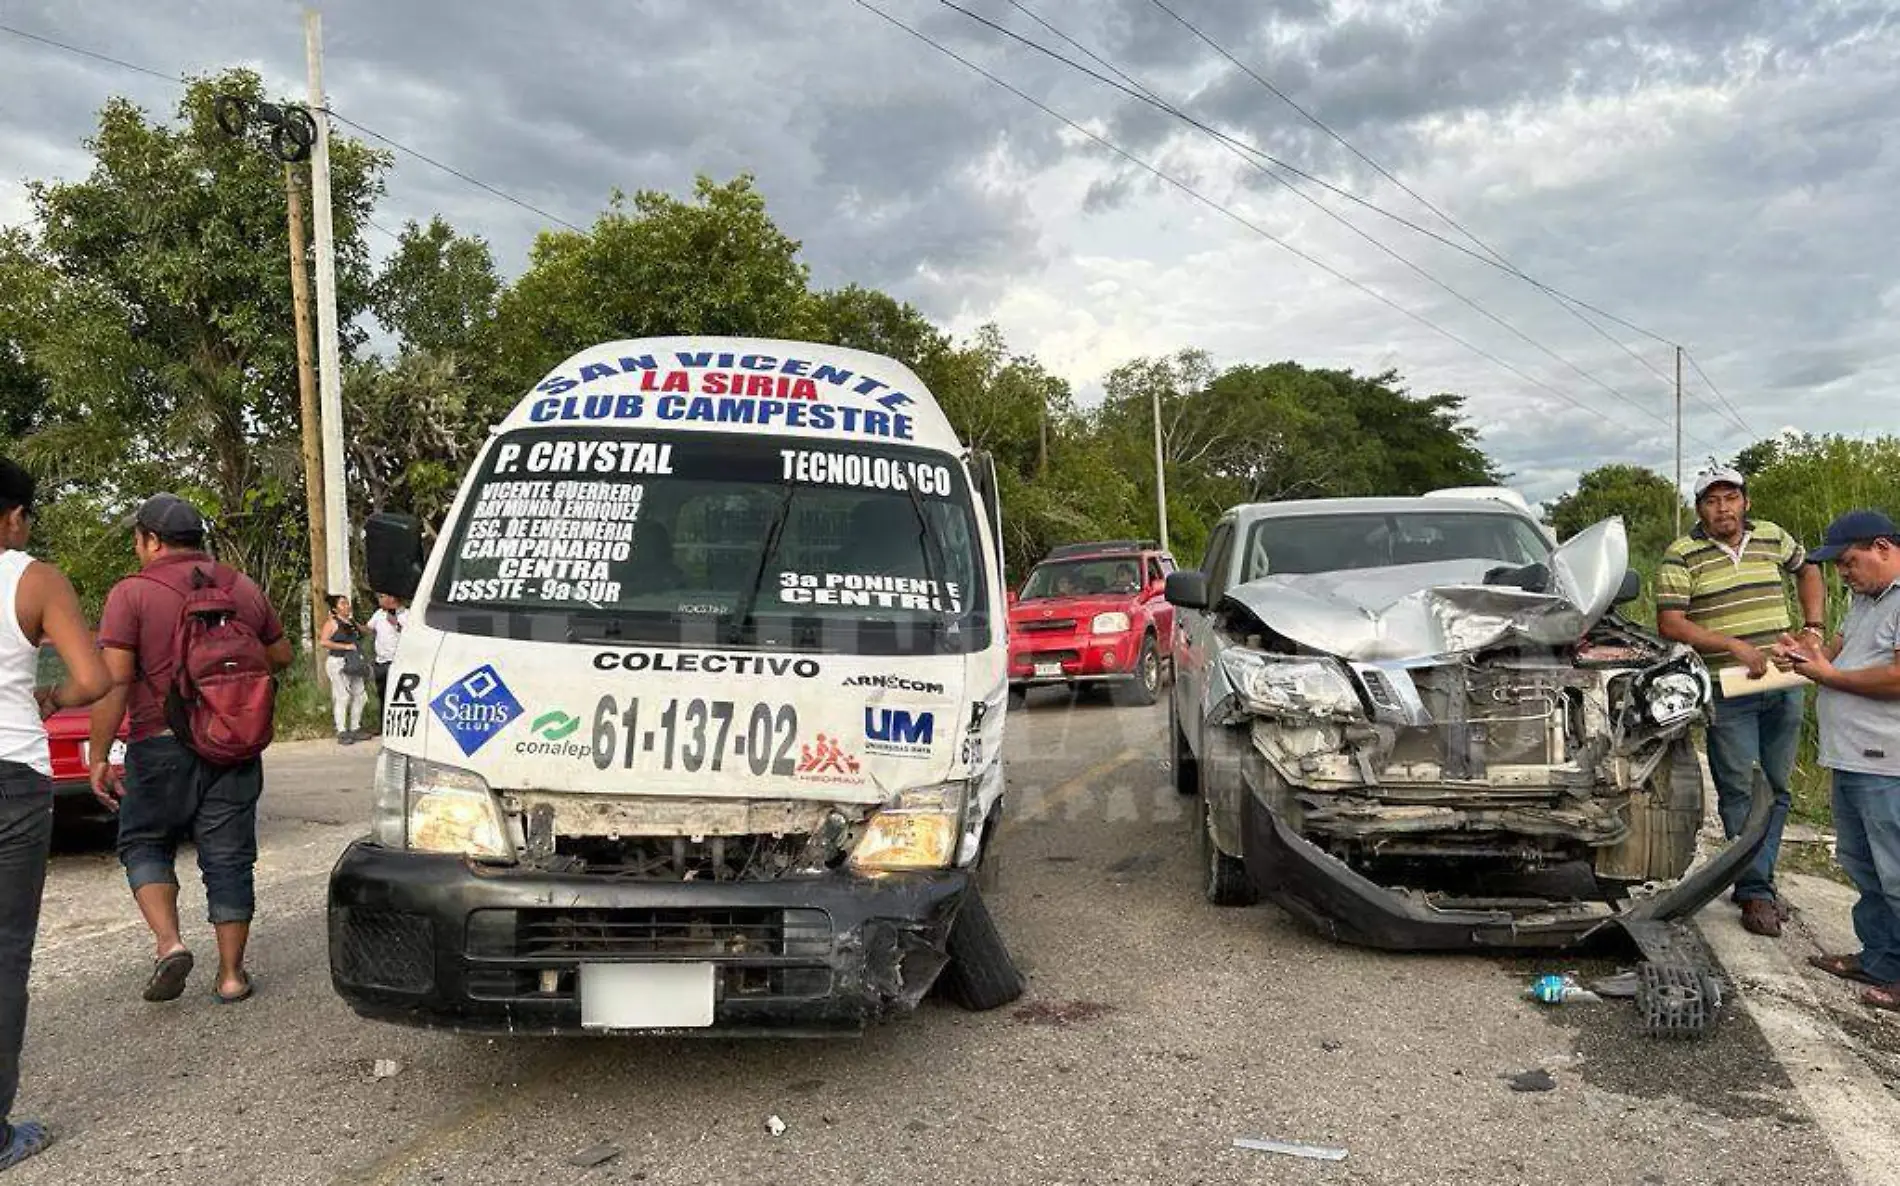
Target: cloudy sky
(1721, 173)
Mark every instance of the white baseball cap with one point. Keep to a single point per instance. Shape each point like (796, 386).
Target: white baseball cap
(1720, 476)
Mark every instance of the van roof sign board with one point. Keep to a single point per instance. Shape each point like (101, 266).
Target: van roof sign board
(740, 385)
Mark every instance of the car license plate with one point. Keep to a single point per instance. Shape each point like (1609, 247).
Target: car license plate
(115, 755)
(646, 996)
(1048, 669)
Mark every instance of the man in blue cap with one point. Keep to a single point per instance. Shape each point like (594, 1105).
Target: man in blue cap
(1858, 673)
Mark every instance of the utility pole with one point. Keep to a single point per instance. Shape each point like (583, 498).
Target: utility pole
(307, 398)
(336, 507)
(1678, 441)
(1161, 480)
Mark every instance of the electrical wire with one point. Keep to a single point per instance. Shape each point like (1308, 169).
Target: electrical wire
(1238, 218)
(331, 112)
(1332, 214)
(1447, 219)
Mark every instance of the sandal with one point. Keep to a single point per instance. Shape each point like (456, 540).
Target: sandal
(168, 977)
(1847, 967)
(1882, 996)
(242, 994)
(23, 1140)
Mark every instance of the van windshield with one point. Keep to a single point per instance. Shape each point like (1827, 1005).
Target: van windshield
(719, 538)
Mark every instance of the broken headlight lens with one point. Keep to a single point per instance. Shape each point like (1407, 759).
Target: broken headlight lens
(1287, 685)
(917, 830)
(429, 807)
(1673, 698)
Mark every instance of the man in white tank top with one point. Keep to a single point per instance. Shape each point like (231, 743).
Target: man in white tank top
(37, 605)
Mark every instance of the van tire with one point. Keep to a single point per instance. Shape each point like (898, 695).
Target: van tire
(1143, 688)
(980, 975)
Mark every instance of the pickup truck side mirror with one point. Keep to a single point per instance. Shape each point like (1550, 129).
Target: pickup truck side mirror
(1631, 589)
(392, 547)
(1187, 589)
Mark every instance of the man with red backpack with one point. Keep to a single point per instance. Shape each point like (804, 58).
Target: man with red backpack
(192, 647)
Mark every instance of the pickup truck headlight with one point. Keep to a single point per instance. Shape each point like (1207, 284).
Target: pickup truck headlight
(1674, 697)
(917, 830)
(1111, 623)
(1292, 685)
(429, 807)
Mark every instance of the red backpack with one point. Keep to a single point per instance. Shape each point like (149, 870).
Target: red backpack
(222, 699)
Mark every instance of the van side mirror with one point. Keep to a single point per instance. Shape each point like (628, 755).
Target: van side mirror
(1187, 589)
(1632, 587)
(392, 546)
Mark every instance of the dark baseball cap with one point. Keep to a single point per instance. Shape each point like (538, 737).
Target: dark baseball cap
(1855, 527)
(165, 514)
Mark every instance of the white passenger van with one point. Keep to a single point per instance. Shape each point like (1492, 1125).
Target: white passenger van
(697, 724)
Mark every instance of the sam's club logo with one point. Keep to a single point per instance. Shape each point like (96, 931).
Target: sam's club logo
(475, 708)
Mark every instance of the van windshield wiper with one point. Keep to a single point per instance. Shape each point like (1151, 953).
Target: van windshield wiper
(926, 539)
(742, 614)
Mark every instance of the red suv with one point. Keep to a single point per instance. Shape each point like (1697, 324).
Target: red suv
(1093, 613)
(68, 732)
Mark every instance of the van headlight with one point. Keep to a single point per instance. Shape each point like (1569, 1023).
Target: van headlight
(918, 829)
(428, 807)
(1109, 623)
(1287, 685)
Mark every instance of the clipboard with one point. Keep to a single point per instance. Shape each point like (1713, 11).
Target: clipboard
(1736, 684)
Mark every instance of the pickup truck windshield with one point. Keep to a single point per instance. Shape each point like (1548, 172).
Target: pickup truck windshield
(703, 537)
(1082, 578)
(1335, 543)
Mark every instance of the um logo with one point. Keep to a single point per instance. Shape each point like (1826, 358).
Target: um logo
(895, 726)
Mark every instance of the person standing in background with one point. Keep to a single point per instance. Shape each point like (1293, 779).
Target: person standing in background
(1723, 589)
(386, 627)
(342, 641)
(37, 604)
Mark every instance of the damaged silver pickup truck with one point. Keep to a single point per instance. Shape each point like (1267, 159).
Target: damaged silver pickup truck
(1417, 724)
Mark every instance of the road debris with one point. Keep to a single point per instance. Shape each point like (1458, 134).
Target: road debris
(386, 1068)
(775, 1126)
(1292, 1149)
(1537, 1080)
(594, 1155)
(1621, 986)
(1559, 990)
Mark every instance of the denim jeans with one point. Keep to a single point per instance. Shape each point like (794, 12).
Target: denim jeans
(26, 834)
(1763, 729)
(172, 793)
(1867, 844)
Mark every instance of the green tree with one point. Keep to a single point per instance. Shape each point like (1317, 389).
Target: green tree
(415, 425)
(866, 319)
(1646, 500)
(716, 265)
(166, 347)
(438, 290)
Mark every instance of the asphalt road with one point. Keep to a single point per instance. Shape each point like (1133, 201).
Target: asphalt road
(1157, 1029)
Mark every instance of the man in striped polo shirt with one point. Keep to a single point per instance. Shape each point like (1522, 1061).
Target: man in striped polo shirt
(1723, 590)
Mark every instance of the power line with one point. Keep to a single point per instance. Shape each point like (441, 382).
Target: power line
(1323, 209)
(1230, 214)
(454, 172)
(1718, 392)
(1317, 122)
(333, 114)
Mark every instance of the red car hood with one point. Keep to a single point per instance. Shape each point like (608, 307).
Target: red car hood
(1080, 608)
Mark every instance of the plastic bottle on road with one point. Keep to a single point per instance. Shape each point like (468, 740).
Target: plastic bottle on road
(1559, 990)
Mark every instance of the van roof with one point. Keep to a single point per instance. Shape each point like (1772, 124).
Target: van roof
(740, 385)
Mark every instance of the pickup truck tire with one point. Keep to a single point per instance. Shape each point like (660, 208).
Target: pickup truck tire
(1146, 684)
(1224, 878)
(1187, 772)
(980, 975)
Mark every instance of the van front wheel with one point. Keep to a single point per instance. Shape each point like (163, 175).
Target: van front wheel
(981, 975)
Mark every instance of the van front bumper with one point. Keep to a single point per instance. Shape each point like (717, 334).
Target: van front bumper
(445, 942)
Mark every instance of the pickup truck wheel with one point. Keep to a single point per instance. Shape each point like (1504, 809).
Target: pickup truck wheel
(1017, 698)
(1187, 772)
(981, 975)
(1225, 877)
(1146, 684)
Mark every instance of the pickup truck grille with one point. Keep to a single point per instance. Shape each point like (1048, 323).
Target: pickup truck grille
(1046, 625)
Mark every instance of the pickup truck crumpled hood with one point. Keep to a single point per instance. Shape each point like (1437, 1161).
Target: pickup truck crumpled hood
(1429, 611)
